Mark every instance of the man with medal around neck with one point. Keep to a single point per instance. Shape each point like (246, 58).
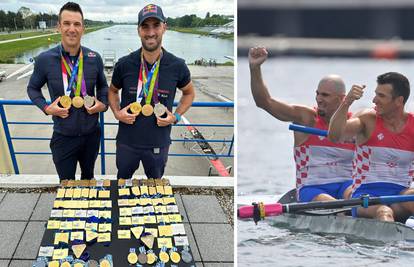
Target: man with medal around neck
(71, 72)
(148, 78)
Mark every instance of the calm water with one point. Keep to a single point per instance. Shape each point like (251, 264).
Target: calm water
(121, 38)
(265, 163)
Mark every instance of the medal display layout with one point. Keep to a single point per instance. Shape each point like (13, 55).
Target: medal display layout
(115, 223)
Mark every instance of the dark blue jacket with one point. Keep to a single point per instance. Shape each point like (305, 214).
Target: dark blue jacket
(47, 69)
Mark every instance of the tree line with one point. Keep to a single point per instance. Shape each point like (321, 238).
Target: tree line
(11, 21)
(192, 21)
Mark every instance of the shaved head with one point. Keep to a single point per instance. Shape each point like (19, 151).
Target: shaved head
(333, 82)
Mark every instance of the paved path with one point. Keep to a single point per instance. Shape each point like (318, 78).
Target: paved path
(23, 218)
(26, 38)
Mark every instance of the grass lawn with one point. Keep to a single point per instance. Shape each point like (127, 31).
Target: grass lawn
(9, 51)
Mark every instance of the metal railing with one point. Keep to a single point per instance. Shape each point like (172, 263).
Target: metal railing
(103, 153)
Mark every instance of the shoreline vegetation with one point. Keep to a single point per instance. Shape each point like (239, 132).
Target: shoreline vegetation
(201, 32)
(9, 51)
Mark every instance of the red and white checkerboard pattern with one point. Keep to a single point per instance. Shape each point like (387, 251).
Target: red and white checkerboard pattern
(360, 165)
(302, 164)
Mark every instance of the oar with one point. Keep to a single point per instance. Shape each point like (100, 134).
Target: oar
(259, 211)
(306, 129)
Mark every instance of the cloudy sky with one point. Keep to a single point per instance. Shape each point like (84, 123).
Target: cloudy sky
(126, 10)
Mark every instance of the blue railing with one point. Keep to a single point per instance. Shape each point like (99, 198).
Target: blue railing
(103, 153)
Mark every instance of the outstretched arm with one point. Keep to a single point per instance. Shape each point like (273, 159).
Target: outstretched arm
(340, 127)
(278, 109)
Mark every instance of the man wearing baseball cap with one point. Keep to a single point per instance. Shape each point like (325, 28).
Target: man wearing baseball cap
(148, 78)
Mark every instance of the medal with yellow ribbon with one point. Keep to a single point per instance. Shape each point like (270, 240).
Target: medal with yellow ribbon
(75, 72)
(149, 80)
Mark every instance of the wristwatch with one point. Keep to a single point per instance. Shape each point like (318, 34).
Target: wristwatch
(177, 117)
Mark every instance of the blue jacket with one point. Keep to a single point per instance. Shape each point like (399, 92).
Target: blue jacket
(47, 69)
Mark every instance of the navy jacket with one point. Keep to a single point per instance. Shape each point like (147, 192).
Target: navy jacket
(47, 69)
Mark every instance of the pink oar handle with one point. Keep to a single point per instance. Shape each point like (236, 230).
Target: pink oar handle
(270, 210)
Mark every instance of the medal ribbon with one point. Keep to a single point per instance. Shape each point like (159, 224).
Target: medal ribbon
(148, 80)
(75, 72)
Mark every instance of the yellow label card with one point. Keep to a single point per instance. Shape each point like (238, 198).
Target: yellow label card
(91, 226)
(143, 189)
(123, 202)
(79, 225)
(59, 254)
(105, 214)
(150, 219)
(105, 227)
(104, 237)
(58, 204)
(123, 192)
(168, 190)
(138, 220)
(85, 192)
(60, 193)
(135, 191)
(152, 190)
(76, 235)
(61, 237)
(124, 234)
(66, 225)
(160, 209)
(163, 219)
(164, 242)
(77, 193)
(93, 193)
(145, 201)
(94, 204)
(125, 221)
(165, 230)
(68, 213)
(104, 194)
(169, 200)
(175, 218)
(106, 203)
(160, 189)
(125, 212)
(53, 225)
(69, 193)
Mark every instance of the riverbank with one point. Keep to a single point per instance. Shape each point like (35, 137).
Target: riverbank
(201, 32)
(9, 51)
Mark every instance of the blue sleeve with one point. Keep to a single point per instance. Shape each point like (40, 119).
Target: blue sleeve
(116, 76)
(36, 82)
(101, 83)
(185, 76)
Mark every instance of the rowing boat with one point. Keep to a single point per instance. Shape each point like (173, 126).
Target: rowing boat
(327, 222)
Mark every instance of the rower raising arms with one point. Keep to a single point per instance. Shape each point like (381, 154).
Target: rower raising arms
(323, 168)
(385, 145)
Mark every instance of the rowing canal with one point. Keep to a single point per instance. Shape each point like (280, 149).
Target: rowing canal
(122, 38)
(265, 163)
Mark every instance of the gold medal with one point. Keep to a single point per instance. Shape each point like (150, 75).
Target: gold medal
(147, 110)
(65, 264)
(164, 256)
(78, 264)
(135, 108)
(151, 258)
(89, 101)
(175, 257)
(77, 102)
(104, 263)
(65, 101)
(132, 258)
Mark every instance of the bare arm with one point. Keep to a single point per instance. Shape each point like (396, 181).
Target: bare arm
(340, 127)
(184, 104)
(278, 109)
